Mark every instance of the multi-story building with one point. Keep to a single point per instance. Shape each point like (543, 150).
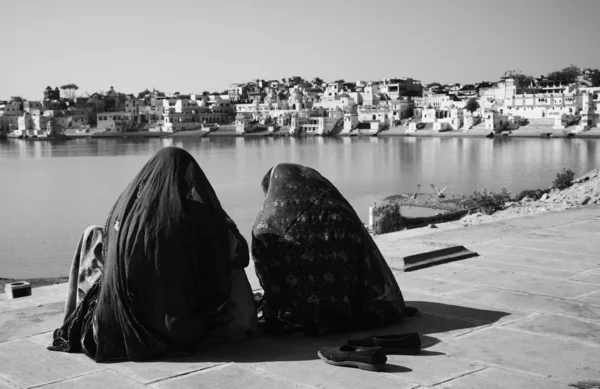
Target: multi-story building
(187, 114)
(237, 92)
(9, 115)
(114, 121)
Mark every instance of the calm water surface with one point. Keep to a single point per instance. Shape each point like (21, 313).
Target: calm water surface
(49, 192)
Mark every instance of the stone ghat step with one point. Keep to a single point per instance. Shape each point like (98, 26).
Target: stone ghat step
(437, 257)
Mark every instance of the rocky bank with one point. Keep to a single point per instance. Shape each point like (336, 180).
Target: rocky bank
(585, 190)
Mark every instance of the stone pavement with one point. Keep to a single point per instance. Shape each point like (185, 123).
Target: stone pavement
(523, 314)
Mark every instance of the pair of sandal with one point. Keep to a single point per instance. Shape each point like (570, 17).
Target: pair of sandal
(370, 353)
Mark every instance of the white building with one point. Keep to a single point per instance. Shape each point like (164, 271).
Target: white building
(114, 121)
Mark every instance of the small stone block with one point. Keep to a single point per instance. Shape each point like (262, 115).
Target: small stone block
(17, 289)
(436, 257)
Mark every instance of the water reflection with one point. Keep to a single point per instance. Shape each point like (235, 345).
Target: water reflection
(76, 182)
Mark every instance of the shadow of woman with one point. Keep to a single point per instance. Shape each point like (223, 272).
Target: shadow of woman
(435, 320)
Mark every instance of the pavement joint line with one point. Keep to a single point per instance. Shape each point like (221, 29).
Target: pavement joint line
(468, 287)
(9, 383)
(527, 265)
(551, 250)
(66, 379)
(481, 368)
(586, 320)
(523, 272)
(500, 367)
(587, 295)
(467, 267)
(515, 290)
(593, 270)
(521, 255)
(553, 336)
(219, 365)
(302, 384)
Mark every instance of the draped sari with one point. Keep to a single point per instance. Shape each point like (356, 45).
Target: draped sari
(319, 267)
(168, 253)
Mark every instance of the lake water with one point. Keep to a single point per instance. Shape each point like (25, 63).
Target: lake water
(49, 192)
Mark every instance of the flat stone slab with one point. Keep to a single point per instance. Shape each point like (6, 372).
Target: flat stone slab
(26, 363)
(492, 378)
(100, 380)
(497, 262)
(394, 251)
(568, 248)
(320, 374)
(562, 326)
(592, 277)
(522, 282)
(410, 281)
(541, 258)
(16, 324)
(531, 302)
(228, 376)
(561, 360)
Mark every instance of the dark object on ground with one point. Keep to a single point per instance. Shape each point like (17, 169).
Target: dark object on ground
(404, 344)
(534, 194)
(586, 385)
(563, 179)
(391, 222)
(372, 359)
(437, 257)
(35, 282)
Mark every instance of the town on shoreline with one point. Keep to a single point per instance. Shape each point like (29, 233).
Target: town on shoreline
(564, 103)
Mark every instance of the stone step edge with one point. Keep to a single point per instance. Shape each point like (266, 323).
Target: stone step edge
(436, 257)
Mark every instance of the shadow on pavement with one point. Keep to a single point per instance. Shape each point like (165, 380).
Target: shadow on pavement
(434, 318)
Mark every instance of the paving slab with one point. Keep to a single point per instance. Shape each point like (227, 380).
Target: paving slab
(593, 278)
(471, 311)
(99, 380)
(230, 376)
(26, 363)
(411, 281)
(582, 225)
(521, 282)
(555, 218)
(494, 297)
(492, 378)
(319, 374)
(562, 326)
(496, 262)
(559, 234)
(550, 357)
(430, 367)
(593, 298)
(440, 270)
(151, 371)
(29, 321)
(571, 249)
(541, 258)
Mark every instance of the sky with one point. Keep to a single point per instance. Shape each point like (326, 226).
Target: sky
(190, 46)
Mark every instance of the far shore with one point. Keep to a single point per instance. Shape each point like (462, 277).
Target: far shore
(397, 131)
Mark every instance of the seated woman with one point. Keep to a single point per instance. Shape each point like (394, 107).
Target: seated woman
(166, 272)
(318, 265)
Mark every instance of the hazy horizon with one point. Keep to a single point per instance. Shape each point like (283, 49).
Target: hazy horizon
(189, 46)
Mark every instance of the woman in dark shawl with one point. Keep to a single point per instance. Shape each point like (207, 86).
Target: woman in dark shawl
(170, 256)
(319, 267)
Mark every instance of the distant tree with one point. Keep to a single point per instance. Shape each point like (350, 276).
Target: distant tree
(595, 78)
(522, 79)
(568, 74)
(340, 80)
(434, 84)
(472, 105)
(17, 99)
(317, 81)
(205, 93)
(69, 90)
(143, 93)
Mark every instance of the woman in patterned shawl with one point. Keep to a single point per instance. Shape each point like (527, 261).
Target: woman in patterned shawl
(318, 265)
(166, 271)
